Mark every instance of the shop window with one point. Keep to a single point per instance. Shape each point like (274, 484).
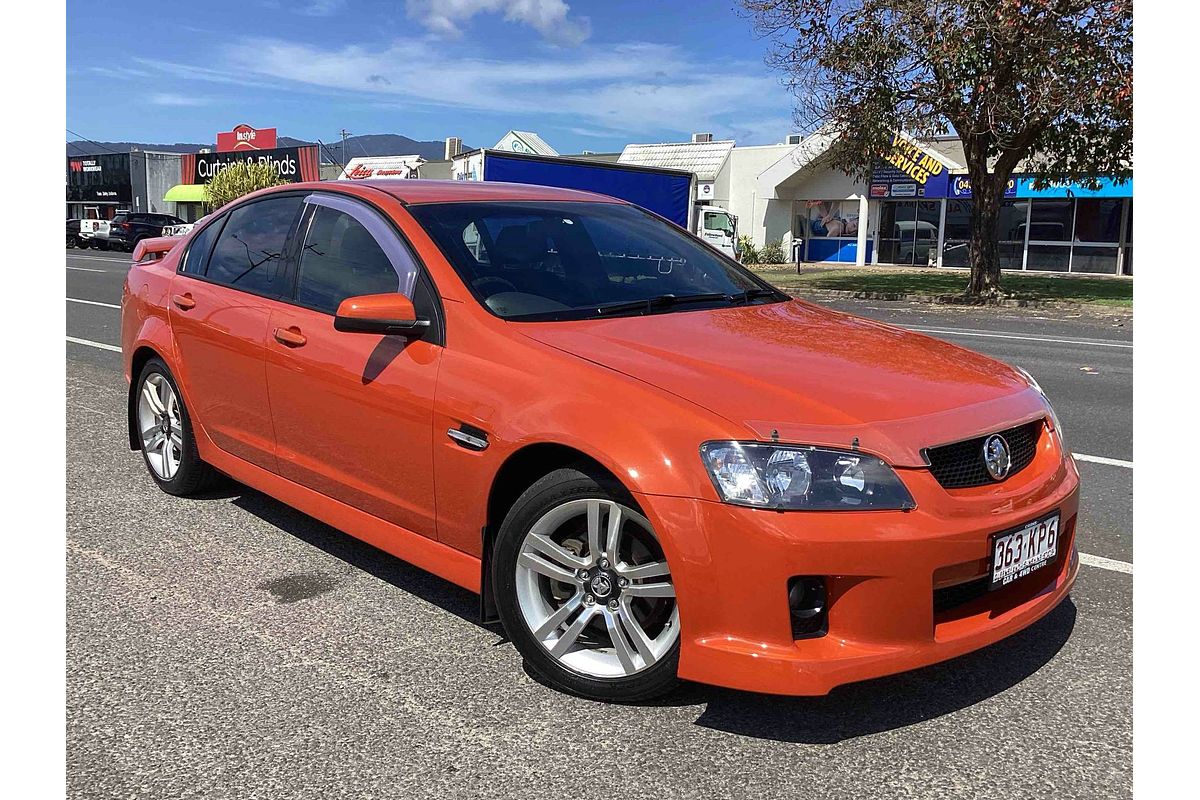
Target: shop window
(831, 230)
(1049, 258)
(1050, 221)
(1010, 231)
(1101, 260)
(1098, 219)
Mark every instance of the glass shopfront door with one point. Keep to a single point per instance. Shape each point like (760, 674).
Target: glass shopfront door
(908, 231)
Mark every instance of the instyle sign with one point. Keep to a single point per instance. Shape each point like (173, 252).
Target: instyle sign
(243, 137)
(293, 164)
(359, 169)
(907, 170)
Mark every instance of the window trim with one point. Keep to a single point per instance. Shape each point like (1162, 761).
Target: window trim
(434, 334)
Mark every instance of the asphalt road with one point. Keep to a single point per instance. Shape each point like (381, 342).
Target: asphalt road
(232, 647)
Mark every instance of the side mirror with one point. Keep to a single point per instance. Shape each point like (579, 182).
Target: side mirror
(391, 313)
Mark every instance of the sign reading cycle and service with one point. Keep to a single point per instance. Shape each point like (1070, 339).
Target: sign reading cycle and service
(243, 137)
(908, 171)
(293, 164)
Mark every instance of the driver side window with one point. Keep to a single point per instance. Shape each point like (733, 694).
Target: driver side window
(341, 259)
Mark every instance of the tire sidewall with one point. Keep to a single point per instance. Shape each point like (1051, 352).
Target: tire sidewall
(553, 490)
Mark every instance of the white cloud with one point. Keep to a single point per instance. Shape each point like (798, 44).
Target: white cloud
(171, 99)
(321, 8)
(550, 18)
(632, 89)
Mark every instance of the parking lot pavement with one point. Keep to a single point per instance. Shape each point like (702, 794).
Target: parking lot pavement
(232, 647)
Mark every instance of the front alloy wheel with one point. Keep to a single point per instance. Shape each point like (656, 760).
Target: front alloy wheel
(592, 603)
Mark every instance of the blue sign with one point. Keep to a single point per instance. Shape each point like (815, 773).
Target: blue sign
(960, 187)
(1108, 187)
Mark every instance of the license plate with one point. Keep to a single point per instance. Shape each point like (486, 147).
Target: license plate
(1019, 552)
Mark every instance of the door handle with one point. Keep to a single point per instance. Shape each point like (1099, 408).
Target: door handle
(292, 337)
(183, 301)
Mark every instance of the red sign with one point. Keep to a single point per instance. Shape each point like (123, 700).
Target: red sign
(243, 137)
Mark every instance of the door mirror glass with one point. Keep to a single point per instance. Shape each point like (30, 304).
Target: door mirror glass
(389, 313)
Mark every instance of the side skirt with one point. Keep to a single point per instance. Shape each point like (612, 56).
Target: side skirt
(428, 554)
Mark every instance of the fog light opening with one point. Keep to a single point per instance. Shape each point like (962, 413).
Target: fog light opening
(807, 602)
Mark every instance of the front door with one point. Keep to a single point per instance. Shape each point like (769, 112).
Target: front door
(220, 306)
(353, 412)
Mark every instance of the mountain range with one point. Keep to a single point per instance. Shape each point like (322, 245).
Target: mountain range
(372, 144)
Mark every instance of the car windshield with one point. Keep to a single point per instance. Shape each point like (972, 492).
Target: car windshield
(567, 260)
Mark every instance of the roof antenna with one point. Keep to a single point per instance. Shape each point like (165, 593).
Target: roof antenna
(774, 435)
(854, 443)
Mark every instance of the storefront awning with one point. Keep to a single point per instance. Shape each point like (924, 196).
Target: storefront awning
(187, 193)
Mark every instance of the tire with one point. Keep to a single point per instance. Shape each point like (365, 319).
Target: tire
(72, 242)
(82, 244)
(165, 429)
(606, 626)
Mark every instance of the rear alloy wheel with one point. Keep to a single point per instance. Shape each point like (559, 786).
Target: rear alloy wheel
(588, 597)
(165, 431)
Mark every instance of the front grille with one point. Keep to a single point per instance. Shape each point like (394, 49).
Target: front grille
(960, 465)
(954, 596)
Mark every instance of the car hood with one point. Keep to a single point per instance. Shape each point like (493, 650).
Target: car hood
(809, 375)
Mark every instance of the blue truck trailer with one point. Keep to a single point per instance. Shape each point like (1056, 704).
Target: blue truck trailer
(669, 193)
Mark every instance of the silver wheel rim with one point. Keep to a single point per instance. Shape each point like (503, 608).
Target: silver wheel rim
(161, 426)
(594, 588)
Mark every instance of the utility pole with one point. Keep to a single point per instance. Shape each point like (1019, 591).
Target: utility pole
(345, 133)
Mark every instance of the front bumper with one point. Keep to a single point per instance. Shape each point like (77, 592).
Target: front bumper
(731, 567)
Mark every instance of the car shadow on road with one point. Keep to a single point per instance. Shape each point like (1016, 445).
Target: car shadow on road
(894, 702)
(848, 712)
(359, 554)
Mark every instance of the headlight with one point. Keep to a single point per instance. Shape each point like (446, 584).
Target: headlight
(799, 477)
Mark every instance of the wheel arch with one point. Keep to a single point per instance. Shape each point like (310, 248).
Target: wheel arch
(520, 470)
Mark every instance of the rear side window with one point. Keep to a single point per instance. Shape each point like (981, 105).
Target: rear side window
(341, 258)
(196, 257)
(249, 252)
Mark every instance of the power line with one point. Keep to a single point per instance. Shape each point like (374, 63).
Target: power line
(84, 138)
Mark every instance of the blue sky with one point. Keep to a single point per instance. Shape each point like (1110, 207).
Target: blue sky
(585, 75)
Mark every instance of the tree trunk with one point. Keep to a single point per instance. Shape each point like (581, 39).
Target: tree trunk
(985, 251)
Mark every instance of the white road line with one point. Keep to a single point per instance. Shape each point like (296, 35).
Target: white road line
(1112, 462)
(1106, 563)
(85, 269)
(1051, 340)
(97, 345)
(92, 302)
(102, 258)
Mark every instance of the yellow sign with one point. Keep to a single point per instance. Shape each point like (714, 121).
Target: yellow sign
(912, 160)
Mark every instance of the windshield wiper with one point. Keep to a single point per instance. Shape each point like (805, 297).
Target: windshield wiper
(753, 294)
(662, 301)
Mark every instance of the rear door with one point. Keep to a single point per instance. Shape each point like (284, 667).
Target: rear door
(353, 412)
(220, 306)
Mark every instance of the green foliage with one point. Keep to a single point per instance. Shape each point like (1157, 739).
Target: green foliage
(772, 253)
(239, 179)
(747, 253)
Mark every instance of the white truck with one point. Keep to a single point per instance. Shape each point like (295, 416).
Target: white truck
(718, 227)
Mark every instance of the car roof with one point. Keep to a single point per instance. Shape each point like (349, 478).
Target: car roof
(415, 192)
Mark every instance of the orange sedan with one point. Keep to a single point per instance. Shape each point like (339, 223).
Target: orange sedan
(650, 464)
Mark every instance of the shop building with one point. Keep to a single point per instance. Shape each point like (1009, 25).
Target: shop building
(915, 209)
(99, 186)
